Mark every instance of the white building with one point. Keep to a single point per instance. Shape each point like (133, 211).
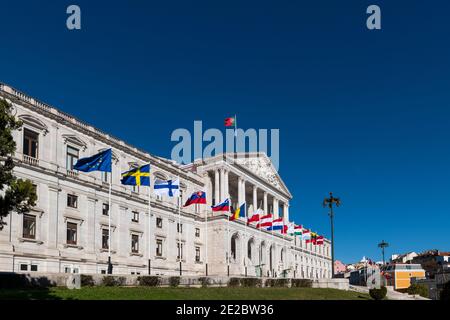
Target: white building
(67, 231)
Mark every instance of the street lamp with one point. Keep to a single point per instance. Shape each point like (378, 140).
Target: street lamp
(328, 202)
(383, 244)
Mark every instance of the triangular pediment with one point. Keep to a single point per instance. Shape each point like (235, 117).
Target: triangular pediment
(260, 165)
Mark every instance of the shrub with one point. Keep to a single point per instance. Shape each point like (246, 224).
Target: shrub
(281, 283)
(111, 281)
(419, 289)
(270, 283)
(301, 283)
(86, 280)
(174, 281)
(149, 281)
(205, 281)
(378, 294)
(251, 282)
(234, 282)
(445, 293)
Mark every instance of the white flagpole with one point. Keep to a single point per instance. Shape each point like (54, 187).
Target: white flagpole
(179, 226)
(228, 236)
(109, 224)
(206, 242)
(235, 126)
(149, 225)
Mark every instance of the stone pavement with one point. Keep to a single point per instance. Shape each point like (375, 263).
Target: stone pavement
(391, 293)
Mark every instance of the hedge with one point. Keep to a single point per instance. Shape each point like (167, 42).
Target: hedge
(378, 294)
(419, 289)
(112, 281)
(174, 281)
(149, 281)
(301, 283)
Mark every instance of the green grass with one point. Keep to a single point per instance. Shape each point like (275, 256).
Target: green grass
(148, 293)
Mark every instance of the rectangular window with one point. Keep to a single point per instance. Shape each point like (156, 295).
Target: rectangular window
(72, 201)
(35, 191)
(180, 227)
(71, 233)
(105, 209)
(197, 254)
(23, 267)
(105, 238)
(30, 143)
(135, 217)
(179, 250)
(134, 243)
(159, 222)
(71, 157)
(105, 176)
(103, 271)
(159, 248)
(197, 232)
(67, 270)
(29, 226)
(34, 267)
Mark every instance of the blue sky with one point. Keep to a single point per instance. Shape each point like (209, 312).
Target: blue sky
(365, 114)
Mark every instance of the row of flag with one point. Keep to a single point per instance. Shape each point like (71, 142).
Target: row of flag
(141, 177)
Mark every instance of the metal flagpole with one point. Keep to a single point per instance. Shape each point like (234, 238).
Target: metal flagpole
(110, 267)
(235, 126)
(206, 242)
(247, 236)
(180, 251)
(149, 228)
(228, 236)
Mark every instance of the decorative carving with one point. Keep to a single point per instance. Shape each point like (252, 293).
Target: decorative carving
(262, 168)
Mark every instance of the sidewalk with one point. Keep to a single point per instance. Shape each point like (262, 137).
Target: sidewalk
(391, 293)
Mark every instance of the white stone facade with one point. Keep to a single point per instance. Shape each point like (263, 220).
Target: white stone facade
(65, 231)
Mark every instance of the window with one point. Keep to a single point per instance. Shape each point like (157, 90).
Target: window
(30, 143)
(249, 250)
(72, 201)
(34, 188)
(34, 267)
(134, 243)
(197, 254)
(105, 176)
(103, 271)
(197, 232)
(159, 222)
(29, 226)
(105, 209)
(71, 157)
(135, 217)
(180, 227)
(71, 233)
(179, 250)
(23, 267)
(159, 248)
(105, 238)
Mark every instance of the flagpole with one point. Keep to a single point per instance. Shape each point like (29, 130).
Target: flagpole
(206, 242)
(228, 236)
(246, 236)
(149, 228)
(110, 267)
(235, 126)
(180, 251)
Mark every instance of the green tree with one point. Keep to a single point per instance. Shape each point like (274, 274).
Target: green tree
(15, 194)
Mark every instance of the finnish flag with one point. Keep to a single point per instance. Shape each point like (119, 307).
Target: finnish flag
(170, 188)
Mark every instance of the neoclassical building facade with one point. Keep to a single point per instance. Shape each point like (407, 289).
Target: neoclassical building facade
(68, 229)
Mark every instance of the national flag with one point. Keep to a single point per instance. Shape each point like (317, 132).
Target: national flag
(265, 221)
(290, 228)
(98, 162)
(239, 212)
(255, 216)
(298, 230)
(229, 122)
(312, 238)
(319, 240)
(197, 197)
(137, 176)
(306, 235)
(170, 188)
(224, 206)
(277, 224)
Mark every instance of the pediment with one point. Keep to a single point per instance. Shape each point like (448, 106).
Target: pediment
(261, 166)
(73, 139)
(34, 122)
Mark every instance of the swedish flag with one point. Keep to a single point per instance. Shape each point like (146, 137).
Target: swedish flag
(137, 177)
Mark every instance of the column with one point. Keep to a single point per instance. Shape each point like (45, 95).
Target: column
(285, 212)
(216, 187)
(255, 199)
(275, 208)
(265, 203)
(243, 192)
(222, 185)
(227, 191)
(240, 197)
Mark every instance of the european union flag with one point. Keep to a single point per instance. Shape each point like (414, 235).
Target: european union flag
(99, 162)
(137, 177)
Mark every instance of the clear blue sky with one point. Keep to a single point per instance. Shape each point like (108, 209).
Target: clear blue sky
(365, 114)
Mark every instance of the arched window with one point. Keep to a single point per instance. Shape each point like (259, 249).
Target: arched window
(233, 247)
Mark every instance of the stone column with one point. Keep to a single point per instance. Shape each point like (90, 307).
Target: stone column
(275, 208)
(255, 199)
(227, 185)
(240, 197)
(222, 185)
(285, 212)
(216, 187)
(265, 203)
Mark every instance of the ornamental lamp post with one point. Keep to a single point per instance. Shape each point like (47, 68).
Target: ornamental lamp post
(329, 202)
(383, 244)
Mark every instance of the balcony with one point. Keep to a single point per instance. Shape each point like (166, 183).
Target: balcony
(72, 174)
(30, 160)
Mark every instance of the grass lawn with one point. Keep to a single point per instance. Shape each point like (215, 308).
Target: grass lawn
(149, 293)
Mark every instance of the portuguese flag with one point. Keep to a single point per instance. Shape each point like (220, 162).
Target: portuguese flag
(230, 122)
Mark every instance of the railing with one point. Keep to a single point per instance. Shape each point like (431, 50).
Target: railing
(30, 160)
(72, 174)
